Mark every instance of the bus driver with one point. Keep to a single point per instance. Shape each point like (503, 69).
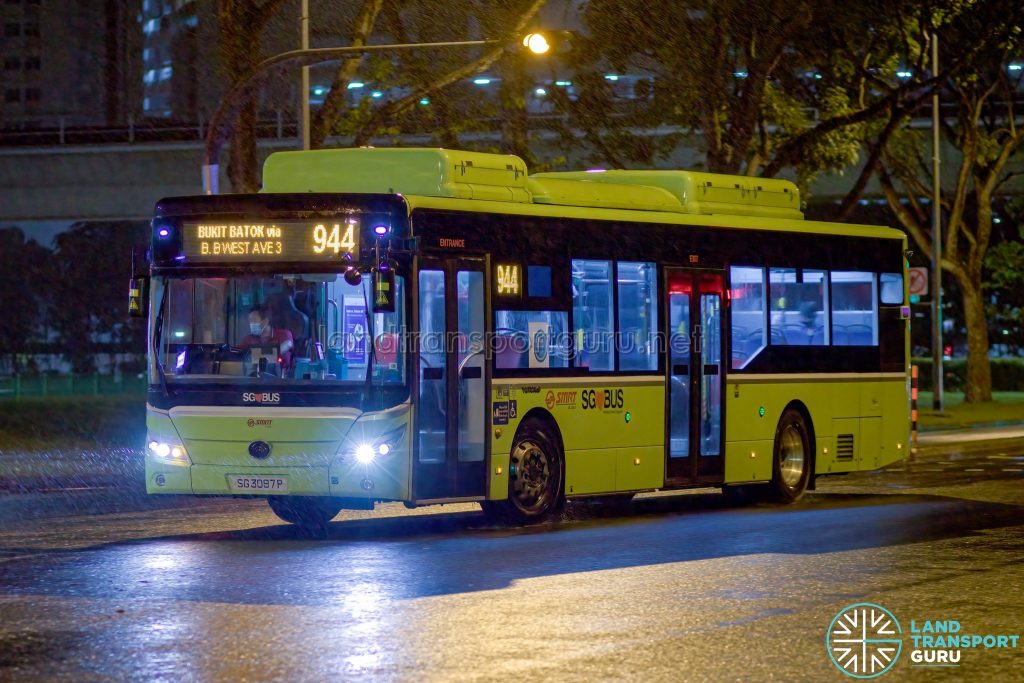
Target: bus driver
(262, 333)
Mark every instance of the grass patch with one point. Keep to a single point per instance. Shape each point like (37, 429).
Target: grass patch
(72, 422)
(1006, 406)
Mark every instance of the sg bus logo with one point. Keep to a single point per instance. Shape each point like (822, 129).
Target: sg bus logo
(601, 399)
(864, 640)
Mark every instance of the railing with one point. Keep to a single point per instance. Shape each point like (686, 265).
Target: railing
(21, 386)
(149, 131)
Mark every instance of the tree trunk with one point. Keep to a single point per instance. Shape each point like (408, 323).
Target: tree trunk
(979, 372)
(512, 98)
(243, 168)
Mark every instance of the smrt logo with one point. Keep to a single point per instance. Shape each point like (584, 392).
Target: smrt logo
(864, 640)
(561, 398)
(253, 422)
(265, 397)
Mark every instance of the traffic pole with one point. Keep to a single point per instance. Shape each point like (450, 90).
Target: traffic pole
(913, 409)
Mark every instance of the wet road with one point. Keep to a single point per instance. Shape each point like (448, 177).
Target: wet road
(679, 587)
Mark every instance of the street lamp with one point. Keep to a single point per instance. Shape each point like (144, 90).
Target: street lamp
(536, 43)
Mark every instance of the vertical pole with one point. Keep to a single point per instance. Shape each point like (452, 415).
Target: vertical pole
(304, 87)
(914, 369)
(936, 239)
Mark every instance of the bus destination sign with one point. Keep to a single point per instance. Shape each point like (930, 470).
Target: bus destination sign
(326, 240)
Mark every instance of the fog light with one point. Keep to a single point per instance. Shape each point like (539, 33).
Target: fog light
(364, 453)
(383, 449)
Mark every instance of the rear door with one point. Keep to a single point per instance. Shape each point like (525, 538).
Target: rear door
(695, 301)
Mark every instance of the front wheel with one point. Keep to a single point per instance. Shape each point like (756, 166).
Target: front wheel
(308, 512)
(535, 475)
(791, 465)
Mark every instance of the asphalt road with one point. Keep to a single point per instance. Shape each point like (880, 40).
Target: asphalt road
(106, 585)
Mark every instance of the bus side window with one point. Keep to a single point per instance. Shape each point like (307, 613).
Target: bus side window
(799, 307)
(854, 308)
(892, 288)
(748, 313)
(530, 340)
(592, 315)
(638, 316)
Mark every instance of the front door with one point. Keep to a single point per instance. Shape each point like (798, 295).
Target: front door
(696, 375)
(451, 411)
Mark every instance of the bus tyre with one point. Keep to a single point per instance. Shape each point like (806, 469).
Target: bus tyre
(308, 512)
(535, 476)
(791, 462)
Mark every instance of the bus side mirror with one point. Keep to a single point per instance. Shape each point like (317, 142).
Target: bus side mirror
(138, 297)
(383, 289)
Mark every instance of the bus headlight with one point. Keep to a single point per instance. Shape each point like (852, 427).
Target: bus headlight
(169, 452)
(364, 453)
(381, 446)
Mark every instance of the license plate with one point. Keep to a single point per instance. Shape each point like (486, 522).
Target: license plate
(247, 483)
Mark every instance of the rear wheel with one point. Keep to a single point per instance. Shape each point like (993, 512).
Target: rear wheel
(791, 466)
(534, 476)
(308, 512)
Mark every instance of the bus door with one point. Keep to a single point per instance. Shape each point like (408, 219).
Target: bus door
(696, 375)
(451, 407)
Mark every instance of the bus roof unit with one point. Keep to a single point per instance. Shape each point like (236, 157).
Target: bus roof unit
(457, 174)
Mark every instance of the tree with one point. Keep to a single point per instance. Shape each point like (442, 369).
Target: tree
(91, 265)
(509, 19)
(240, 26)
(985, 131)
(22, 280)
(756, 86)
(334, 105)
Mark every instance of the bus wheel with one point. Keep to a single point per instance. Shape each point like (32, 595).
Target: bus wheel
(791, 465)
(308, 512)
(534, 476)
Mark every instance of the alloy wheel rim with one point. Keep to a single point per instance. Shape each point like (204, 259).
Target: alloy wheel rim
(792, 458)
(531, 476)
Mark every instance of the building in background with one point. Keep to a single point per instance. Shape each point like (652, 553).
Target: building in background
(67, 63)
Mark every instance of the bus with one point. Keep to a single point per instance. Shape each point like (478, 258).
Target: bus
(434, 326)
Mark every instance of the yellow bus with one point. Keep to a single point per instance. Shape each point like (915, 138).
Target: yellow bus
(435, 326)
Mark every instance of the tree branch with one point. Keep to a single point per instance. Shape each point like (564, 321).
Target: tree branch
(395, 107)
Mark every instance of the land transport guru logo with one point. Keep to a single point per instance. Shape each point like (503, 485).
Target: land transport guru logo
(865, 640)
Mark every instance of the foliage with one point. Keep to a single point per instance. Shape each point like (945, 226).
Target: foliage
(985, 132)
(88, 278)
(757, 86)
(23, 265)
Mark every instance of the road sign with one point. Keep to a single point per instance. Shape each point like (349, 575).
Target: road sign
(918, 282)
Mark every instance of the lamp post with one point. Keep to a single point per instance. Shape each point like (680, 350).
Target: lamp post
(937, 350)
(304, 114)
(216, 133)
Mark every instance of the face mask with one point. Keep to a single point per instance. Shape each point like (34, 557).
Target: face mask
(255, 328)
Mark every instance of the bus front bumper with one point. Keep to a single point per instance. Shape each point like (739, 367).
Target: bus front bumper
(230, 480)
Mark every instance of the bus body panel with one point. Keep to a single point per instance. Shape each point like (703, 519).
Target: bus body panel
(612, 429)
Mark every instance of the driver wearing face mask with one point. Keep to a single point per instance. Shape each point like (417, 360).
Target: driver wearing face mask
(262, 333)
